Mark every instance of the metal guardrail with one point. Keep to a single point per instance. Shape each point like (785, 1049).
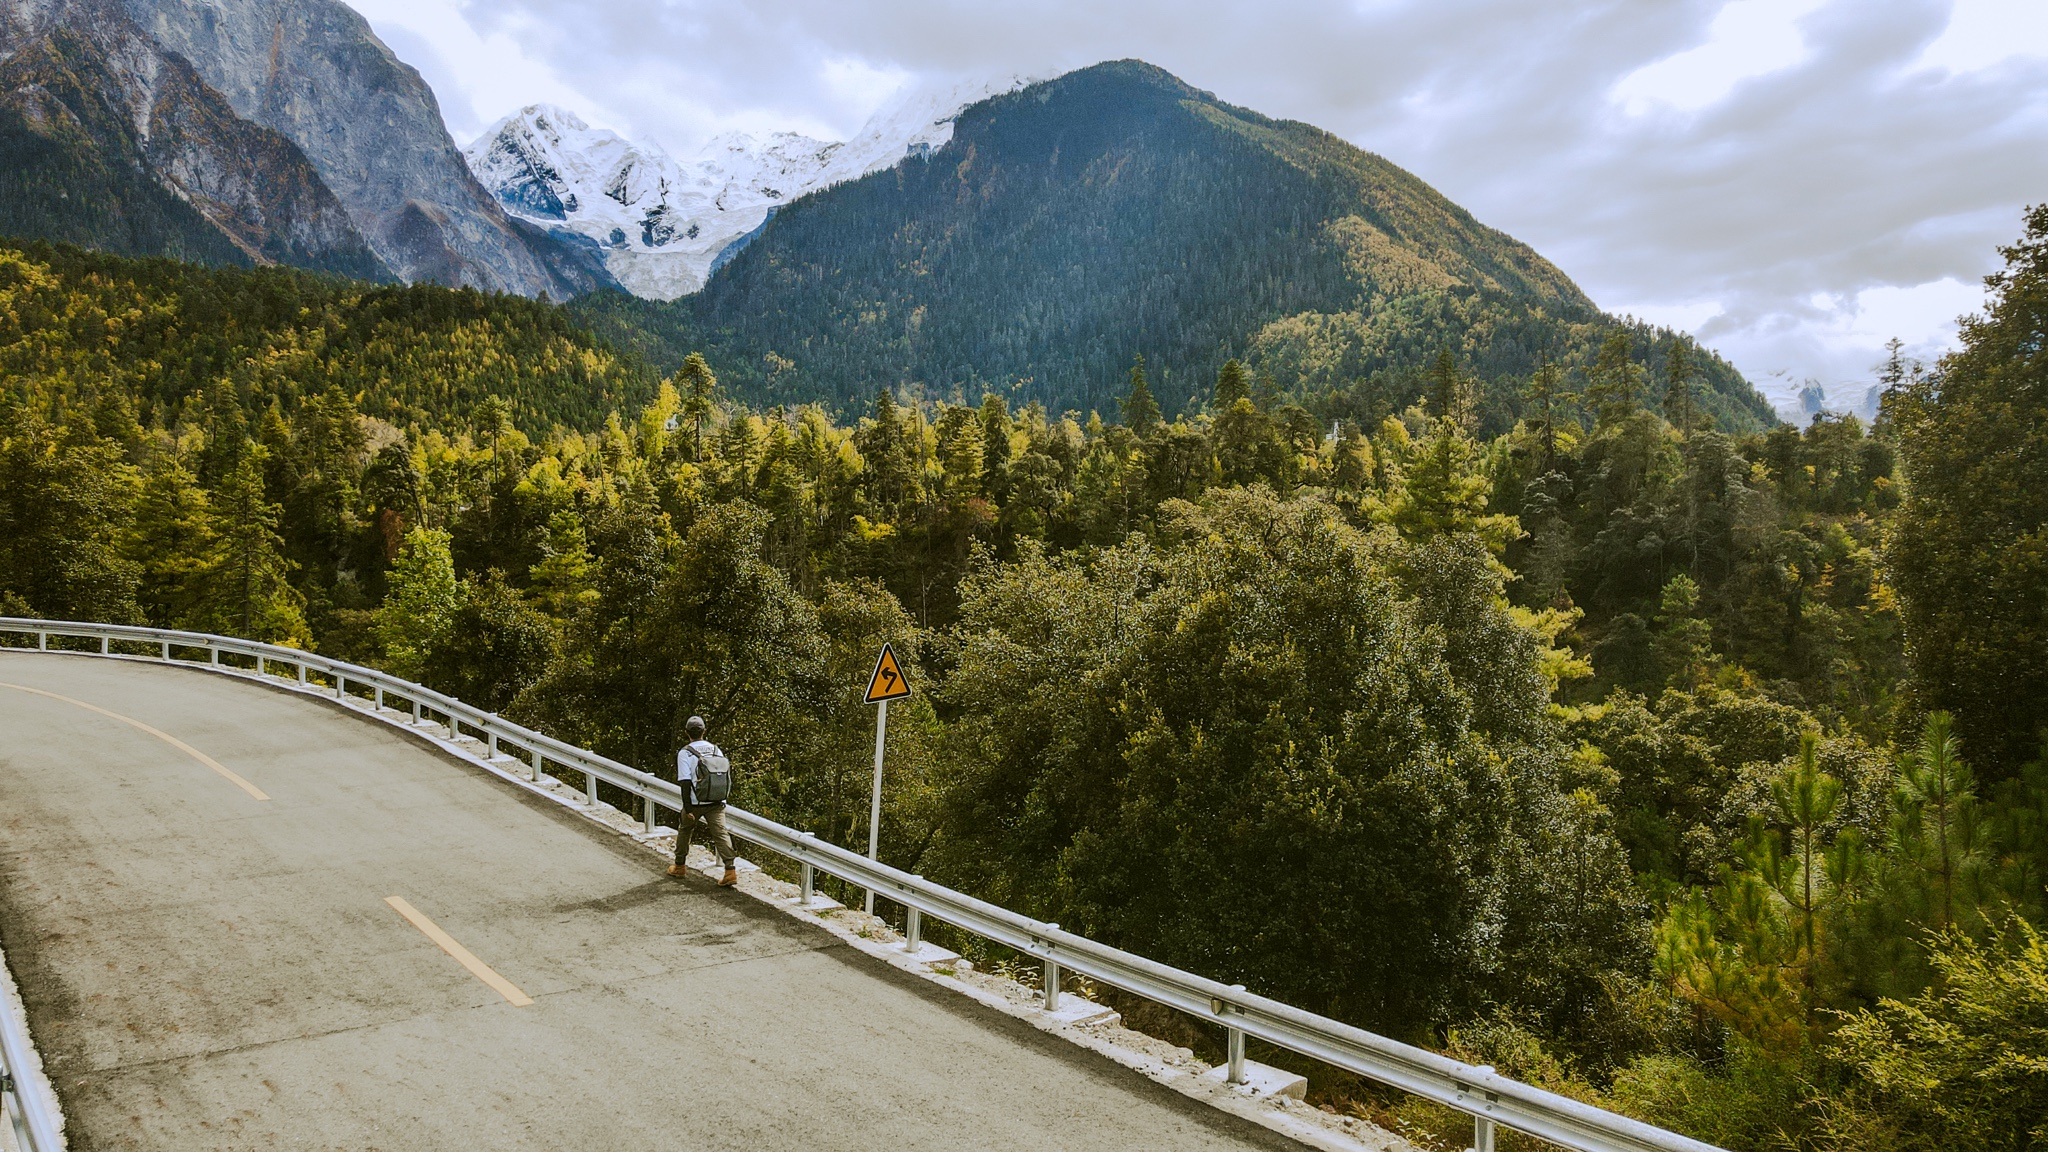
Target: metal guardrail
(1491, 1099)
(24, 1096)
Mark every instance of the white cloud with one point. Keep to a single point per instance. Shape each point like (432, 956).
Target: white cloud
(1748, 38)
(477, 76)
(1982, 33)
(1681, 316)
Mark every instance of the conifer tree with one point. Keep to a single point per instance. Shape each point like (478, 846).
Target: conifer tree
(561, 580)
(172, 542)
(887, 464)
(1450, 394)
(1938, 826)
(1546, 391)
(227, 432)
(1233, 383)
(996, 429)
(424, 597)
(1807, 798)
(253, 595)
(1140, 412)
(1681, 408)
(391, 485)
(1684, 642)
(699, 387)
(1616, 387)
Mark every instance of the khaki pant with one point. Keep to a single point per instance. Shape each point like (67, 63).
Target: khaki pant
(713, 818)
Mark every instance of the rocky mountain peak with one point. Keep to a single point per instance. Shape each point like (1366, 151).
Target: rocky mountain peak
(663, 225)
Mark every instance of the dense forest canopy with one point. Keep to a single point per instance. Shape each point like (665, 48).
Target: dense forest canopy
(1554, 718)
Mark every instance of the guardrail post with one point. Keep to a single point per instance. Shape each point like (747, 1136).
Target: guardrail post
(213, 655)
(103, 645)
(1052, 979)
(261, 666)
(380, 697)
(913, 929)
(1233, 1038)
(807, 876)
(647, 814)
(536, 765)
(590, 787)
(340, 686)
(491, 746)
(302, 669)
(167, 649)
(42, 641)
(415, 711)
(1482, 1134)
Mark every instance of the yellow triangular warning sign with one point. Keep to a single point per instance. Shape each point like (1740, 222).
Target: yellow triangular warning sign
(888, 682)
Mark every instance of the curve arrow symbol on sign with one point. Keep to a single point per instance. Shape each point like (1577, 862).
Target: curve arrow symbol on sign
(888, 682)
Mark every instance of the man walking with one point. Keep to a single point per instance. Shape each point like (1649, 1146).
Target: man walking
(717, 780)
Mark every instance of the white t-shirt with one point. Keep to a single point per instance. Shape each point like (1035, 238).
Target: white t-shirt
(686, 762)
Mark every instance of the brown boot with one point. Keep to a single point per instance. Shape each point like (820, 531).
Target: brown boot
(678, 870)
(732, 877)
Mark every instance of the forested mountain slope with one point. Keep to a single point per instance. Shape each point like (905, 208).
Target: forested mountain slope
(1117, 211)
(159, 340)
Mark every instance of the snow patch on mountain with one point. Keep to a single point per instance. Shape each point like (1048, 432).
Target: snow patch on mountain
(1799, 400)
(664, 226)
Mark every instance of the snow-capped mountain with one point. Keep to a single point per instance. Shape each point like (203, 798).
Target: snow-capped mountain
(1798, 401)
(665, 226)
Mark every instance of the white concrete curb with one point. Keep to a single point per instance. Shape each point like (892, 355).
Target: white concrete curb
(27, 1078)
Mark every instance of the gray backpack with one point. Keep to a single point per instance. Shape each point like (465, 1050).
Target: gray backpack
(711, 780)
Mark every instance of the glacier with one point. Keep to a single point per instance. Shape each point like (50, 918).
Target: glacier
(663, 225)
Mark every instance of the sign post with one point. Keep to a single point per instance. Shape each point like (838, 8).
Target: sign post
(886, 684)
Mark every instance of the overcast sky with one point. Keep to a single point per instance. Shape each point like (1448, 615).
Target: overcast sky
(1796, 181)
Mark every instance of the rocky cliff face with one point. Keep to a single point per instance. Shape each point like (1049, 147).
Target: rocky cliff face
(109, 141)
(313, 71)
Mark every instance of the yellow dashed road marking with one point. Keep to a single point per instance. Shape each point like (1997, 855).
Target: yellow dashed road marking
(159, 733)
(463, 956)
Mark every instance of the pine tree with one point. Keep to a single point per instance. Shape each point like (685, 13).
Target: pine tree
(1684, 642)
(1546, 391)
(227, 433)
(887, 464)
(1232, 384)
(1806, 798)
(1681, 408)
(1140, 412)
(1450, 394)
(699, 387)
(1617, 380)
(173, 543)
(996, 429)
(253, 595)
(424, 597)
(1938, 828)
(561, 580)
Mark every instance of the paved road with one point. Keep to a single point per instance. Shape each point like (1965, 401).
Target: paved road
(205, 969)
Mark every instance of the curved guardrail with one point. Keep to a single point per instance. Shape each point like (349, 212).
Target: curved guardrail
(1488, 1097)
(24, 1095)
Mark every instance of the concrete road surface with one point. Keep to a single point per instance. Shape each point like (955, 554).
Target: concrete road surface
(206, 969)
